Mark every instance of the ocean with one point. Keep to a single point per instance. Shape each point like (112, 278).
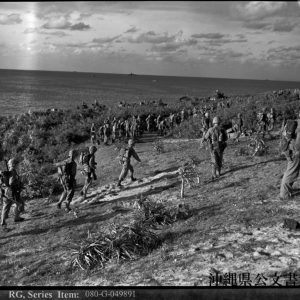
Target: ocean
(21, 91)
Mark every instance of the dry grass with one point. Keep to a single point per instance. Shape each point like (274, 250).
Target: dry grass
(235, 226)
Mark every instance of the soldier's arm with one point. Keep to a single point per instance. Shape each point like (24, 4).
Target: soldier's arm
(206, 136)
(134, 154)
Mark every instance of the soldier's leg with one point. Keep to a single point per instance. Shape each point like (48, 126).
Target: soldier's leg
(17, 213)
(87, 182)
(213, 163)
(62, 198)
(123, 173)
(7, 203)
(70, 195)
(130, 168)
(289, 177)
(63, 195)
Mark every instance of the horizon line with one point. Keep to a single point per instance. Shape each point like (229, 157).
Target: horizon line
(136, 74)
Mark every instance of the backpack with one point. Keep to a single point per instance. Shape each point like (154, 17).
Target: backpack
(123, 154)
(66, 169)
(218, 139)
(290, 129)
(84, 158)
(288, 134)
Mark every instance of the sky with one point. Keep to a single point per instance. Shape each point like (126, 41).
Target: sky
(241, 39)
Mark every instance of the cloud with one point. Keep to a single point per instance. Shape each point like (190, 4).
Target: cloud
(255, 10)
(10, 19)
(284, 55)
(280, 25)
(283, 26)
(256, 25)
(105, 39)
(34, 30)
(62, 22)
(208, 36)
(218, 39)
(133, 29)
(57, 23)
(153, 38)
(173, 46)
(80, 26)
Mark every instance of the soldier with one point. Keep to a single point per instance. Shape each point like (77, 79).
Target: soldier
(182, 115)
(114, 131)
(206, 123)
(291, 150)
(271, 119)
(11, 188)
(127, 125)
(67, 172)
(158, 119)
(89, 167)
(217, 138)
(125, 162)
(171, 119)
(239, 126)
(106, 132)
(261, 124)
(93, 133)
(101, 132)
(149, 122)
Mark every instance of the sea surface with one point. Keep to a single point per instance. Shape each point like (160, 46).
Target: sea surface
(21, 91)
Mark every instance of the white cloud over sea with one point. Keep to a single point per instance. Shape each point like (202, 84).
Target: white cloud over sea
(248, 39)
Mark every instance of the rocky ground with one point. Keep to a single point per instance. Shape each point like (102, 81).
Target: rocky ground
(235, 232)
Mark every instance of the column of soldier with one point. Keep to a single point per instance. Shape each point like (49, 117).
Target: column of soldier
(130, 128)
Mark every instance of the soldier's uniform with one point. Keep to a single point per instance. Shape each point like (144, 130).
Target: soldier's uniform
(125, 162)
(11, 187)
(67, 179)
(206, 123)
(293, 166)
(217, 138)
(261, 126)
(89, 171)
(93, 134)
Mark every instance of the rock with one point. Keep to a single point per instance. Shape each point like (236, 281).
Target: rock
(276, 253)
(256, 254)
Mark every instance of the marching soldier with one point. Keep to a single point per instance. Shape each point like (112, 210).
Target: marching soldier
(125, 162)
(217, 138)
(89, 167)
(67, 172)
(10, 190)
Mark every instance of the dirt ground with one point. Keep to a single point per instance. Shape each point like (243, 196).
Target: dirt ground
(235, 233)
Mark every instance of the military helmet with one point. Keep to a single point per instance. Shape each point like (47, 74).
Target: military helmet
(130, 142)
(93, 149)
(216, 120)
(206, 115)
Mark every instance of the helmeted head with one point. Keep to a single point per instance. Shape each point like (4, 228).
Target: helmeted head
(92, 149)
(130, 142)
(206, 114)
(239, 115)
(11, 163)
(216, 121)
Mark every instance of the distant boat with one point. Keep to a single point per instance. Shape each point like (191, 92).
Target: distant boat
(131, 74)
